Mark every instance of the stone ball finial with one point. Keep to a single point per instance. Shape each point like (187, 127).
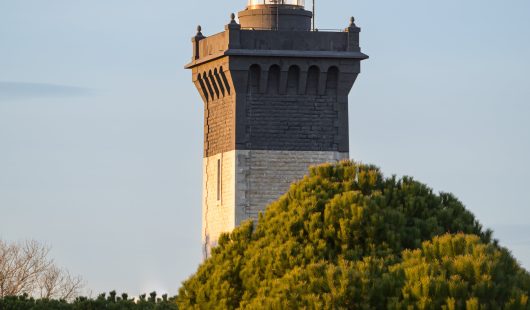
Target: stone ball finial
(352, 23)
(233, 19)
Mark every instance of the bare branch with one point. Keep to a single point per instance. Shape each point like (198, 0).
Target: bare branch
(26, 268)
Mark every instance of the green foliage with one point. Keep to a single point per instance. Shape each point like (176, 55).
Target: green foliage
(454, 271)
(112, 301)
(346, 237)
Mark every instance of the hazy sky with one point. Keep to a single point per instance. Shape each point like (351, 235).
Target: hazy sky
(101, 127)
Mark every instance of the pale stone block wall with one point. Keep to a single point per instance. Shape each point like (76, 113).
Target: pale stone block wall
(263, 176)
(250, 181)
(218, 214)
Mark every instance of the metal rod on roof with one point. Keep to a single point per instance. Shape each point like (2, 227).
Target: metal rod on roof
(314, 15)
(278, 17)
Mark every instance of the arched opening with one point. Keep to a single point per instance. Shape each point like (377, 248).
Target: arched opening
(208, 85)
(219, 82)
(273, 82)
(332, 82)
(225, 80)
(254, 76)
(214, 83)
(313, 75)
(203, 87)
(293, 80)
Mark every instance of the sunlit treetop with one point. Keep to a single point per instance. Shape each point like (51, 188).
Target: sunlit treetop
(345, 237)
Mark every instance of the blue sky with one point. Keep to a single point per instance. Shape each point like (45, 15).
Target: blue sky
(101, 127)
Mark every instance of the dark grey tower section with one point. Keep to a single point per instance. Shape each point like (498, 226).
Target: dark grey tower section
(275, 101)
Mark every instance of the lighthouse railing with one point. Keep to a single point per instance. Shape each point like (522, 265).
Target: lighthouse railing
(300, 3)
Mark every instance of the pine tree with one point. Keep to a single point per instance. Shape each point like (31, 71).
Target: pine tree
(346, 237)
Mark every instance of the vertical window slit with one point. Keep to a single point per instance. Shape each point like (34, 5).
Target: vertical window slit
(219, 180)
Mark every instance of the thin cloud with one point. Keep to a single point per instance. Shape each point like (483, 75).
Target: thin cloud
(22, 90)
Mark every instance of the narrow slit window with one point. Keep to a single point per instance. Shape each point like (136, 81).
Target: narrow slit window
(218, 179)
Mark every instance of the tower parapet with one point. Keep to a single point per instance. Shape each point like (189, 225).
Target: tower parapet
(275, 101)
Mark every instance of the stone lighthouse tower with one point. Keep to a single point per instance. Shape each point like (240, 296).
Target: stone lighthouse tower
(275, 98)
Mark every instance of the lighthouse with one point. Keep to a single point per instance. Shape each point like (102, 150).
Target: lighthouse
(275, 98)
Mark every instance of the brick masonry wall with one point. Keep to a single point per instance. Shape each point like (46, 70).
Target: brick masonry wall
(293, 122)
(219, 131)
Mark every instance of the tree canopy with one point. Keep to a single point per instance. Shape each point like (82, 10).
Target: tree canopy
(112, 301)
(347, 237)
